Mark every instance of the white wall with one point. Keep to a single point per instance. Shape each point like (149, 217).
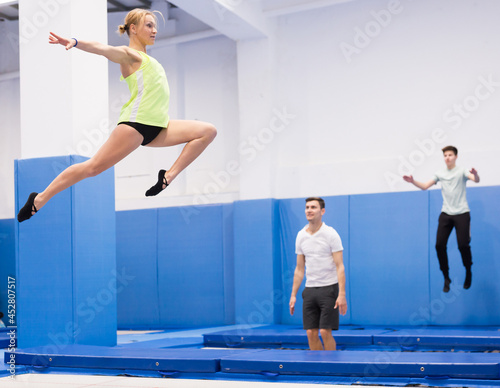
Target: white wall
(358, 115)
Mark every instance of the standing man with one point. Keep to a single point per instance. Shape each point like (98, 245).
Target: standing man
(319, 252)
(455, 212)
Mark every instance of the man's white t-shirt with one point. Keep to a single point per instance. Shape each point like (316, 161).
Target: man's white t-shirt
(317, 249)
(453, 188)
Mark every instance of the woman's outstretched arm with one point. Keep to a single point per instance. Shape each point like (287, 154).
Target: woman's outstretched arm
(121, 54)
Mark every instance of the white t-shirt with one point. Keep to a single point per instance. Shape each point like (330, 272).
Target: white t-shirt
(453, 188)
(317, 249)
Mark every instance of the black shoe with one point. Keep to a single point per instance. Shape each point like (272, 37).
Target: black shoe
(158, 187)
(468, 278)
(446, 287)
(29, 207)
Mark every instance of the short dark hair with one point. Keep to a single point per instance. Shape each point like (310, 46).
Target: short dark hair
(320, 201)
(450, 148)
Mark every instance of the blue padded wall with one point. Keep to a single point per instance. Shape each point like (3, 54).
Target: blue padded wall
(479, 304)
(94, 258)
(137, 264)
(389, 274)
(234, 263)
(292, 219)
(7, 263)
(258, 288)
(66, 259)
(181, 261)
(191, 267)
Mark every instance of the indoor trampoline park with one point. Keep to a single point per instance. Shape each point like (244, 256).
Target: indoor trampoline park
(250, 193)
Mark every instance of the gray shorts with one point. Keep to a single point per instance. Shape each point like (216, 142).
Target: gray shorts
(318, 310)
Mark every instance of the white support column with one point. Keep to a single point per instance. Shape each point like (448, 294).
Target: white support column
(64, 94)
(256, 97)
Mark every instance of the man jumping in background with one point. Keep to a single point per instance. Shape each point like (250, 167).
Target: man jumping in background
(455, 212)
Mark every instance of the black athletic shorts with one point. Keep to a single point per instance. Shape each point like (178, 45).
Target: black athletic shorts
(148, 132)
(318, 310)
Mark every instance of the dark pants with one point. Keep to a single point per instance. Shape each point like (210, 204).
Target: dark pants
(461, 223)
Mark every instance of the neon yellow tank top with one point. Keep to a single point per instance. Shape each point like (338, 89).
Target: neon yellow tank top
(150, 94)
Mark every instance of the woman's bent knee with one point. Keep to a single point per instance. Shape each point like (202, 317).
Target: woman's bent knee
(210, 132)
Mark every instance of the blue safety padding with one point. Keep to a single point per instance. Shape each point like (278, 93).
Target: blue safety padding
(84, 356)
(258, 290)
(7, 264)
(66, 258)
(95, 278)
(292, 220)
(366, 363)
(389, 274)
(413, 339)
(191, 267)
(479, 304)
(136, 262)
(39, 264)
(283, 336)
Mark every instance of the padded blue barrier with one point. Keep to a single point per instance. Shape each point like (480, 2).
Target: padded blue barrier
(66, 259)
(286, 336)
(406, 338)
(7, 264)
(257, 265)
(191, 267)
(365, 363)
(292, 220)
(137, 262)
(415, 339)
(389, 274)
(389, 256)
(100, 357)
(479, 304)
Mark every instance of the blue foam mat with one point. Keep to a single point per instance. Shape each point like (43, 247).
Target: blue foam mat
(283, 335)
(83, 356)
(450, 338)
(165, 354)
(366, 363)
(357, 337)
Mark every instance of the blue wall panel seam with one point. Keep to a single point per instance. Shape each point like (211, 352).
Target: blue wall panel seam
(224, 272)
(160, 321)
(429, 253)
(16, 237)
(73, 256)
(349, 254)
(277, 266)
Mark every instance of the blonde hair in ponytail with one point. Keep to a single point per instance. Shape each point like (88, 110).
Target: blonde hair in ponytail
(136, 16)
